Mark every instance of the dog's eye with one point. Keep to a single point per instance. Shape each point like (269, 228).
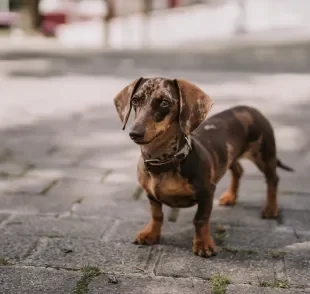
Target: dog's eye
(164, 104)
(135, 101)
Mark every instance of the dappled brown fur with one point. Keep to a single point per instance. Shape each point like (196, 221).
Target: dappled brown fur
(183, 156)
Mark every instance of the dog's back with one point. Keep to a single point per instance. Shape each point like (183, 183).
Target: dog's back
(239, 130)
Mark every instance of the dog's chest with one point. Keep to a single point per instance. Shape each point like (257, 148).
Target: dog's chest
(171, 189)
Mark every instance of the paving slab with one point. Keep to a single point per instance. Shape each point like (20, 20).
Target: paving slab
(33, 204)
(234, 238)
(20, 203)
(11, 169)
(15, 247)
(110, 200)
(245, 289)
(299, 220)
(25, 185)
(297, 264)
(73, 206)
(36, 280)
(60, 197)
(34, 225)
(69, 172)
(113, 257)
(3, 216)
(147, 285)
(239, 267)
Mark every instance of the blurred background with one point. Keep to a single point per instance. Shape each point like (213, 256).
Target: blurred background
(154, 23)
(63, 61)
(67, 170)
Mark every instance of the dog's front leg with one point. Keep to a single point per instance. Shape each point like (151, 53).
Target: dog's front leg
(151, 232)
(203, 244)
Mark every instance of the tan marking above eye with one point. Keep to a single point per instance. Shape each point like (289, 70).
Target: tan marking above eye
(209, 127)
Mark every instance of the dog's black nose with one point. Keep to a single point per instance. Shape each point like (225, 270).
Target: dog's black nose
(135, 136)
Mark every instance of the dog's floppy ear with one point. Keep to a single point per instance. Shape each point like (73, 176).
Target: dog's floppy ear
(194, 105)
(122, 100)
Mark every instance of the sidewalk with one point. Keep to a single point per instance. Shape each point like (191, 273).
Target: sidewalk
(280, 51)
(67, 180)
(278, 40)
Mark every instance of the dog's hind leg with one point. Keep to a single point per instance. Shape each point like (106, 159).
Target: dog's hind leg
(268, 168)
(229, 197)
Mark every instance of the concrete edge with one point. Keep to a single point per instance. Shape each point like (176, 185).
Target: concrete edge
(279, 57)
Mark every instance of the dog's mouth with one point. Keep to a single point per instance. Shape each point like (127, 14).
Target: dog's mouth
(142, 142)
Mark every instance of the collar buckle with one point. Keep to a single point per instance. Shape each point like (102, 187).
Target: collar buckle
(157, 164)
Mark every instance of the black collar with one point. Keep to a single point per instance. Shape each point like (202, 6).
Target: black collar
(158, 166)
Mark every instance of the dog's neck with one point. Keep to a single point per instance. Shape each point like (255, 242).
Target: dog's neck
(166, 148)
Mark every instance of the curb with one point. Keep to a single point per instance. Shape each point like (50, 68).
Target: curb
(285, 57)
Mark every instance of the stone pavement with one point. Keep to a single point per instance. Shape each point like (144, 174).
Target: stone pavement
(67, 180)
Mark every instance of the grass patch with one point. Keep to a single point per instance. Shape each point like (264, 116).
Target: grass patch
(277, 254)
(264, 284)
(220, 237)
(277, 283)
(4, 262)
(284, 284)
(219, 284)
(89, 273)
(220, 234)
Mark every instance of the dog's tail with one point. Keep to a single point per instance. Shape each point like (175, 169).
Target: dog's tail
(283, 166)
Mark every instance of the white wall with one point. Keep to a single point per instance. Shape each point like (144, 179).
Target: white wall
(203, 22)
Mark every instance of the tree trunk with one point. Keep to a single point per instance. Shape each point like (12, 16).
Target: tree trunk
(30, 18)
(110, 14)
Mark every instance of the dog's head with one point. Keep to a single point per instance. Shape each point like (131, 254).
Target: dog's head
(160, 103)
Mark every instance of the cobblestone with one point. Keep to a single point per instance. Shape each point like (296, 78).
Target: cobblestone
(68, 177)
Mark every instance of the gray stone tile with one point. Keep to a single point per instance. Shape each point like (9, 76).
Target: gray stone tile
(180, 234)
(16, 247)
(259, 240)
(147, 285)
(121, 161)
(112, 257)
(124, 209)
(25, 185)
(36, 281)
(3, 216)
(63, 195)
(297, 269)
(65, 172)
(299, 220)
(126, 231)
(72, 188)
(286, 200)
(297, 263)
(239, 267)
(11, 169)
(245, 289)
(114, 200)
(58, 227)
(21, 203)
(254, 180)
(241, 216)
(25, 204)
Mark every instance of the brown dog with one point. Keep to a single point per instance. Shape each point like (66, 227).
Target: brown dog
(183, 156)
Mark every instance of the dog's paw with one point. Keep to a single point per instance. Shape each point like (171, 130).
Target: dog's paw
(227, 199)
(270, 212)
(147, 237)
(204, 248)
